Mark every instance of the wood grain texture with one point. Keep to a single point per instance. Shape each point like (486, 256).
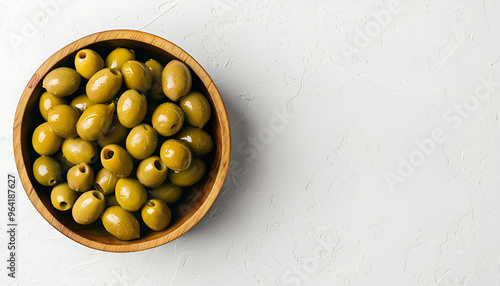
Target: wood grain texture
(196, 201)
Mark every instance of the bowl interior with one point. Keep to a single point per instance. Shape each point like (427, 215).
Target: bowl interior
(195, 200)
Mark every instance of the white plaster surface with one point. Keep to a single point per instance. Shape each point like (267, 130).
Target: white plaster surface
(307, 201)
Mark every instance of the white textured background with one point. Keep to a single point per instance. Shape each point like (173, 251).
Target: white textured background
(307, 201)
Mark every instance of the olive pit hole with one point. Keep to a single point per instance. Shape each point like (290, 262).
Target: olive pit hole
(82, 55)
(158, 165)
(83, 169)
(98, 195)
(145, 127)
(151, 204)
(64, 205)
(98, 187)
(108, 154)
(115, 72)
(52, 182)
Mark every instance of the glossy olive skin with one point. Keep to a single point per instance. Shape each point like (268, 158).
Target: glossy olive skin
(95, 122)
(196, 109)
(190, 176)
(137, 76)
(105, 181)
(88, 207)
(131, 108)
(156, 214)
(45, 141)
(47, 101)
(116, 134)
(47, 171)
(176, 154)
(117, 160)
(118, 57)
(120, 223)
(62, 81)
(81, 103)
(198, 140)
(152, 172)
(80, 177)
(88, 62)
(63, 197)
(141, 141)
(104, 85)
(63, 118)
(130, 194)
(77, 150)
(156, 91)
(176, 80)
(167, 192)
(168, 119)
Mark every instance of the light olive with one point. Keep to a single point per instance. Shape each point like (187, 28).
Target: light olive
(137, 76)
(176, 154)
(152, 172)
(156, 214)
(63, 118)
(130, 194)
(46, 102)
(104, 85)
(118, 57)
(131, 108)
(168, 119)
(88, 62)
(156, 91)
(47, 171)
(105, 181)
(81, 103)
(95, 121)
(80, 177)
(190, 176)
(176, 80)
(77, 150)
(116, 134)
(45, 141)
(167, 192)
(141, 141)
(120, 223)
(62, 81)
(88, 207)
(117, 160)
(196, 109)
(63, 197)
(198, 140)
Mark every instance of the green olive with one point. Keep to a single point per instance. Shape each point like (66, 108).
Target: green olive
(116, 134)
(156, 92)
(63, 197)
(176, 154)
(62, 81)
(95, 121)
(196, 109)
(151, 172)
(104, 85)
(88, 62)
(105, 181)
(63, 161)
(156, 214)
(167, 192)
(77, 150)
(80, 177)
(141, 141)
(89, 207)
(81, 103)
(63, 118)
(118, 57)
(45, 141)
(190, 176)
(130, 194)
(47, 171)
(198, 140)
(120, 223)
(131, 108)
(137, 76)
(46, 102)
(176, 80)
(168, 119)
(111, 200)
(117, 160)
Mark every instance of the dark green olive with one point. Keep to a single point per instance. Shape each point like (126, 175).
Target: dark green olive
(62, 81)
(45, 141)
(95, 122)
(168, 119)
(105, 181)
(104, 85)
(196, 109)
(47, 101)
(81, 103)
(118, 57)
(47, 171)
(156, 214)
(151, 172)
(111, 200)
(117, 160)
(63, 197)
(116, 134)
(176, 154)
(77, 150)
(198, 140)
(80, 177)
(167, 192)
(137, 76)
(88, 207)
(176, 80)
(120, 223)
(131, 108)
(141, 141)
(130, 194)
(88, 62)
(190, 176)
(63, 118)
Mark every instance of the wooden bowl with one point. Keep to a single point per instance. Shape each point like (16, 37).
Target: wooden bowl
(195, 201)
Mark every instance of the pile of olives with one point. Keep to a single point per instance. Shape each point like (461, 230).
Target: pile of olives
(122, 149)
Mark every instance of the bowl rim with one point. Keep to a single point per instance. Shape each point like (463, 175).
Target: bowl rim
(175, 51)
